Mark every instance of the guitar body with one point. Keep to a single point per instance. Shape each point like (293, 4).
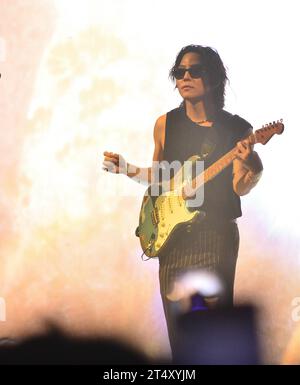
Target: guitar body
(162, 215)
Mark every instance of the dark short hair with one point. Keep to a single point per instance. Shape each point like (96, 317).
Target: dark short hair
(215, 71)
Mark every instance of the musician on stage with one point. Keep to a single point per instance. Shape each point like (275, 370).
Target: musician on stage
(201, 126)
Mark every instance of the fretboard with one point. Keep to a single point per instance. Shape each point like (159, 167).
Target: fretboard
(213, 170)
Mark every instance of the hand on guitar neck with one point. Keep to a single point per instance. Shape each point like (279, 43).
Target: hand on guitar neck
(248, 157)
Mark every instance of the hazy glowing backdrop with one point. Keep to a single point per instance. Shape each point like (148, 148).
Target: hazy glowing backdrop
(81, 77)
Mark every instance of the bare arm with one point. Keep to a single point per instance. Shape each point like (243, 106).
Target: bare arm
(116, 163)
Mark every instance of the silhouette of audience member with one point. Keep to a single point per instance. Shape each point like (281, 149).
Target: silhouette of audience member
(56, 348)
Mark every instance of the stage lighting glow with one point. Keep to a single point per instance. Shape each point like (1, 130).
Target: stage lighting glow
(205, 283)
(80, 77)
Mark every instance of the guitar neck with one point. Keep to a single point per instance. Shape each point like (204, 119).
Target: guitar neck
(213, 170)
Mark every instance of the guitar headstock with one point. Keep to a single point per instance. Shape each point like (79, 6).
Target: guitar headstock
(264, 134)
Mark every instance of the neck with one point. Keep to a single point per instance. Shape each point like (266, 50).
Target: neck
(196, 111)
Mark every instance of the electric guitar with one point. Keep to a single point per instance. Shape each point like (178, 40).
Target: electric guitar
(168, 208)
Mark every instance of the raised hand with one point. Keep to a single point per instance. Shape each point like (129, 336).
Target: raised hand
(114, 163)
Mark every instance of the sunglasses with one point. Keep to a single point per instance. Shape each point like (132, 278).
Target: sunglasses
(195, 72)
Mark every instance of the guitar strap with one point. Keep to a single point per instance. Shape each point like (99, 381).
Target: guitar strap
(209, 143)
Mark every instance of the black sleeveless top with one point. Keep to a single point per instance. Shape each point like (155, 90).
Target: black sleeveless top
(184, 138)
